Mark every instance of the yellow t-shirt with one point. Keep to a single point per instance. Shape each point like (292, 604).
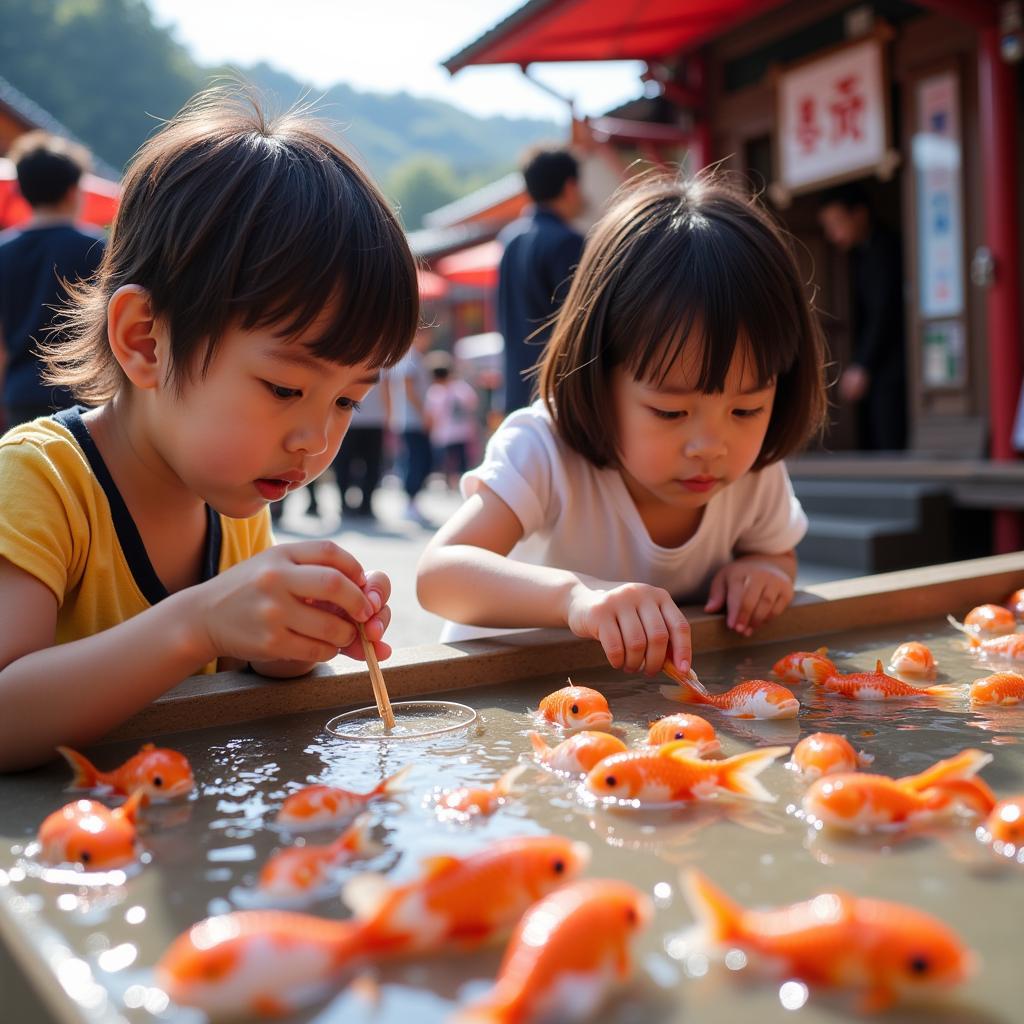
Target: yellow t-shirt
(63, 521)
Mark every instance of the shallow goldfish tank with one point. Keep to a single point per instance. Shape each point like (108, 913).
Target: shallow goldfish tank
(203, 855)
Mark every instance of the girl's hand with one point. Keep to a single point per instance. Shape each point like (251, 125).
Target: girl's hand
(293, 602)
(637, 625)
(753, 591)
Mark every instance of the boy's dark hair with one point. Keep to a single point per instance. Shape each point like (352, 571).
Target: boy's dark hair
(669, 258)
(228, 217)
(849, 196)
(48, 166)
(546, 171)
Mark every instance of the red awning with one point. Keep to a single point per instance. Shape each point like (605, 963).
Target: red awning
(99, 199)
(432, 286)
(573, 30)
(477, 265)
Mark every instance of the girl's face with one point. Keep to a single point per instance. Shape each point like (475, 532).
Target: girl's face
(679, 446)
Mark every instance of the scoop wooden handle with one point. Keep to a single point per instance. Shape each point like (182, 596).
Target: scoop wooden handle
(380, 690)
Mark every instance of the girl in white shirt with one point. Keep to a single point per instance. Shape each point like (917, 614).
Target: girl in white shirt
(685, 364)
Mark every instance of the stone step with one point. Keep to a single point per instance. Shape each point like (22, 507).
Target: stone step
(868, 544)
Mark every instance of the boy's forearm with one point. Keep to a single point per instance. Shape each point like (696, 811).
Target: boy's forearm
(480, 588)
(786, 561)
(74, 693)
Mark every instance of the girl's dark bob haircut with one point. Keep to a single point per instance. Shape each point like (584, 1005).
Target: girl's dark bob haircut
(229, 218)
(673, 263)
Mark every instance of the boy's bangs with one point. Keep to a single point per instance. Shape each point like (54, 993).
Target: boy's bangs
(715, 290)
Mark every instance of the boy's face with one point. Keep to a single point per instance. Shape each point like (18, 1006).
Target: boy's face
(267, 418)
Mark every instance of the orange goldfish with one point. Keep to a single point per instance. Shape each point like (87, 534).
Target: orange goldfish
(824, 753)
(671, 773)
(579, 753)
(998, 648)
(884, 950)
(266, 963)
(462, 901)
(697, 730)
(1000, 689)
(809, 666)
(566, 955)
(1004, 828)
(88, 833)
(987, 620)
(318, 806)
(912, 659)
(863, 803)
(753, 698)
(878, 686)
(576, 707)
(1015, 602)
(161, 773)
(469, 801)
(303, 869)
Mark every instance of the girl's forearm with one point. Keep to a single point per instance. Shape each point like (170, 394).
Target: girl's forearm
(76, 692)
(477, 587)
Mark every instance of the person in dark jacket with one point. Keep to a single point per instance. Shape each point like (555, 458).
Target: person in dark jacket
(37, 260)
(876, 378)
(541, 252)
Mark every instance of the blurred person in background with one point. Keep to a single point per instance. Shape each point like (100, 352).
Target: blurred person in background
(37, 262)
(363, 450)
(410, 380)
(451, 412)
(541, 252)
(875, 379)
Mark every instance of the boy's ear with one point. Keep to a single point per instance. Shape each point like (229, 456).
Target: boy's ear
(138, 342)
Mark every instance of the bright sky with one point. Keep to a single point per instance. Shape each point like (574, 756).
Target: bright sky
(390, 46)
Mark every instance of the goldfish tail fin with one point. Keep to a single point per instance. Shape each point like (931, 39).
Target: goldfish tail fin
(739, 773)
(540, 748)
(393, 783)
(963, 766)
(973, 640)
(946, 690)
(974, 794)
(715, 912)
(85, 774)
(356, 839)
(822, 651)
(688, 681)
(131, 807)
(684, 693)
(504, 785)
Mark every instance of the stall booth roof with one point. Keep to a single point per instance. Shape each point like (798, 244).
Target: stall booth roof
(579, 30)
(476, 266)
(99, 199)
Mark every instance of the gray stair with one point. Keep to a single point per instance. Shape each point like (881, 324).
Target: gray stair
(871, 527)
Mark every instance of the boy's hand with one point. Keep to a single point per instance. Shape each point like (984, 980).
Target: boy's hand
(272, 607)
(636, 625)
(752, 590)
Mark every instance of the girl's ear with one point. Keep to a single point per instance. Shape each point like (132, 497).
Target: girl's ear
(138, 342)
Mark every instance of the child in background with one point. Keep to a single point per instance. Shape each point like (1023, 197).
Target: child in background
(684, 366)
(451, 413)
(254, 285)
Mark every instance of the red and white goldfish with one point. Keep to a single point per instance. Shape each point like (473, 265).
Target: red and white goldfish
(271, 963)
(998, 648)
(913, 659)
(879, 686)
(824, 753)
(673, 773)
(88, 833)
(578, 754)
(1003, 829)
(462, 902)
(299, 870)
(319, 806)
(753, 698)
(477, 801)
(699, 731)
(1015, 602)
(860, 802)
(576, 707)
(805, 666)
(161, 773)
(265, 963)
(1002, 689)
(883, 951)
(567, 954)
(986, 620)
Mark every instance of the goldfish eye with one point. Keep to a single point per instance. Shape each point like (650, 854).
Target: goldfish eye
(631, 915)
(559, 867)
(575, 709)
(85, 856)
(680, 735)
(919, 965)
(610, 780)
(158, 780)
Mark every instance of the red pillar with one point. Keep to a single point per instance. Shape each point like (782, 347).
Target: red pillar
(998, 112)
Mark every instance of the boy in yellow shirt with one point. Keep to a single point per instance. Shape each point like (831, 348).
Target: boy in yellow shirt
(254, 285)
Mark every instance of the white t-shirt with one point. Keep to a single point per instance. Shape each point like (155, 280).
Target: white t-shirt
(578, 517)
(452, 410)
